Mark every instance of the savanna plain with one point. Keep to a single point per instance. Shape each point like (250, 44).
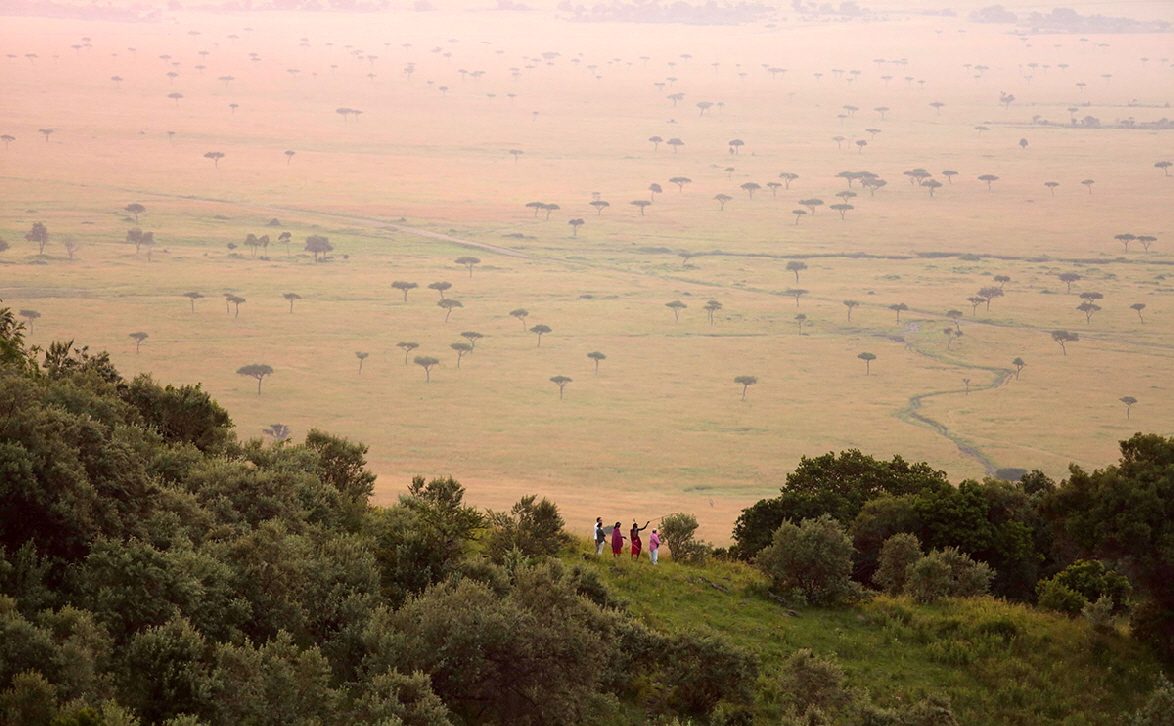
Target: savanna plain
(411, 139)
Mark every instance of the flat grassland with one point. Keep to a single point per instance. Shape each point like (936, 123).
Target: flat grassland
(424, 175)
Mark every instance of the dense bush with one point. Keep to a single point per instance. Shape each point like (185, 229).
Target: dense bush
(812, 559)
(897, 555)
(947, 573)
(678, 531)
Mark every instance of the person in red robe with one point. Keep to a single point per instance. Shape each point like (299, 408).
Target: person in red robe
(617, 539)
(637, 545)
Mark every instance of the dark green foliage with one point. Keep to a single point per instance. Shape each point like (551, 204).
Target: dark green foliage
(531, 528)
(183, 414)
(898, 553)
(702, 669)
(811, 560)
(1089, 580)
(838, 486)
(947, 573)
(679, 532)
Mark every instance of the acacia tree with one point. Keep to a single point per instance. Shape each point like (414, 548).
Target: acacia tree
(7, 139)
(898, 308)
(811, 204)
(956, 316)
(440, 287)
(291, 296)
(801, 319)
(138, 338)
(39, 235)
(596, 356)
(461, 349)
(540, 330)
(193, 297)
(656, 141)
(1138, 307)
(362, 357)
(1052, 186)
(449, 305)
(215, 156)
(750, 188)
(32, 316)
(677, 306)
(843, 209)
(1063, 338)
(71, 245)
(536, 206)
(468, 262)
(403, 287)
(1088, 183)
(712, 307)
(931, 185)
(850, 304)
(989, 293)
(561, 382)
(722, 199)
(787, 178)
(1068, 278)
(675, 143)
(134, 209)
(426, 362)
(520, 314)
(795, 293)
(318, 245)
(575, 225)
(237, 302)
(989, 179)
(1019, 364)
(600, 205)
(680, 181)
(407, 348)
(548, 208)
(1128, 401)
(655, 189)
(1002, 280)
(798, 215)
(745, 382)
(868, 358)
(1145, 241)
(641, 204)
(285, 238)
(951, 334)
(1124, 239)
(1088, 307)
(1163, 165)
(256, 370)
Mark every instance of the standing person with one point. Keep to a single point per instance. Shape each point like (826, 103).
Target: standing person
(600, 536)
(653, 546)
(635, 537)
(617, 539)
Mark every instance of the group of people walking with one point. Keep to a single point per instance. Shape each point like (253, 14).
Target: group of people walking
(616, 533)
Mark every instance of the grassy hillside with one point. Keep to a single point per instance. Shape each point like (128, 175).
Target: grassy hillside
(997, 662)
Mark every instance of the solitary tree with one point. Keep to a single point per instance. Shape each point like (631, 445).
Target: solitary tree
(426, 362)
(536, 206)
(787, 178)
(575, 225)
(237, 302)
(1068, 278)
(974, 301)
(71, 245)
(655, 189)
(898, 308)
(520, 314)
(256, 370)
(989, 179)
(722, 199)
(937, 106)
(138, 338)
(712, 307)
(289, 155)
(1128, 401)
(176, 96)
(1164, 166)
(279, 432)
(135, 209)
(677, 306)
(956, 316)
(548, 208)
(750, 188)
(843, 209)
(32, 316)
(362, 357)
(461, 349)
(596, 356)
(641, 204)
(811, 204)
(1052, 186)
(215, 156)
(795, 293)
(798, 215)
(1124, 239)
(468, 262)
(850, 304)
(1138, 307)
(285, 238)
(1019, 364)
(656, 141)
(403, 287)
(440, 287)
(7, 139)
(1063, 338)
(1145, 241)
(38, 235)
(675, 143)
(561, 382)
(951, 334)
(990, 293)
(931, 185)
(319, 246)
(193, 297)
(46, 132)
(1022, 143)
(1002, 280)
(1088, 183)
(745, 382)
(449, 305)
(868, 358)
(600, 205)
(517, 154)
(291, 296)
(796, 266)
(1088, 307)
(407, 348)
(680, 181)
(801, 319)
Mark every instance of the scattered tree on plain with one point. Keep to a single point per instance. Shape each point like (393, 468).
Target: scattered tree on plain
(449, 305)
(291, 296)
(540, 330)
(468, 262)
(215, 156)
(319, 246)
(426, 362)
(712, 307)
(1138, 307)
(641, 204)
(1019, 364)
(138, 338)
(561, 382)
(440, 287)
(461, 348)
(134, 209)
(745, 382)
(256, 370)
(899, 308)
(868, 358)
(520, 314)
(575, 225)
(596, 356)
(990, 293)
(32, 316)
(850, 304)
(1128, 401)
(721, 199)
(1068, 278)
(38, 235)
(989, 179)
(407, 348)
(1063, 338)
(676, 306)
(403, 287)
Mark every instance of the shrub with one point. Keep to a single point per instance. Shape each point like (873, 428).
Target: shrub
(898, 553)
(814, 558)
(1159, 709)
(947, 573)
(701, 669)
(677, 531)
(810, 682)
(1093, 580)
(1055, 596)
(532, 528)
(1099, 614)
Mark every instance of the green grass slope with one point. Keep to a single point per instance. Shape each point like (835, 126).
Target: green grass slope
(997, 662)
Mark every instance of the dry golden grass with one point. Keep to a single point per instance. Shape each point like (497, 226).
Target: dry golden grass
(661, 428)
